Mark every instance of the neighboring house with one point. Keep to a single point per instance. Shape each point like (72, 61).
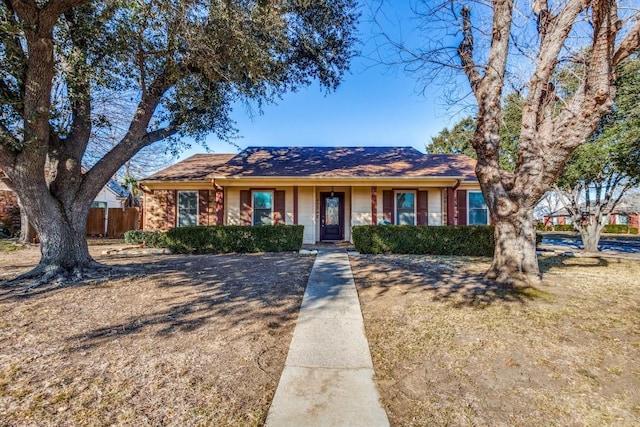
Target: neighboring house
(621, 215)
(328, 190)
(111, 195)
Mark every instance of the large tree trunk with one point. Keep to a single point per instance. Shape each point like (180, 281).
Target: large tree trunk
(515, 262)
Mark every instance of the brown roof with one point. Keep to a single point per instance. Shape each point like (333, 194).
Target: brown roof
(327, 162)
(321, 162)
(194, 168)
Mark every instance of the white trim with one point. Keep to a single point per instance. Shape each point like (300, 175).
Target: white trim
(469, 208)
(395, 204)
(178, 205)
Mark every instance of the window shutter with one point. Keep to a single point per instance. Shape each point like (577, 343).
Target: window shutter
(423, 208)
(279, 207)
(203, 208)
(387, 205)
(245, 207)
(462, 207)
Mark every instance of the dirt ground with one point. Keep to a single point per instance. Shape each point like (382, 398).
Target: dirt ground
(171, 340)
(450, 350)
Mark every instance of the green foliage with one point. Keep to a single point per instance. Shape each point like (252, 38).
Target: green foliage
(458, 139)
(612, 154)
(232, 238)
(559, 227)
(455, 141)
(619, 229)
(149, 239)
(406, 239)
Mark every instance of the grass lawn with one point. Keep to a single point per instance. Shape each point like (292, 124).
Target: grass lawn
(450, 350)
(169, 341)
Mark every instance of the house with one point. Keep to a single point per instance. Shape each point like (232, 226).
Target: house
(112, 195)
(326, 189)
(622, 215)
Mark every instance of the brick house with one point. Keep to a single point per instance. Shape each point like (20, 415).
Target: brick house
(622, 215)
(328, 190)
(9, 211)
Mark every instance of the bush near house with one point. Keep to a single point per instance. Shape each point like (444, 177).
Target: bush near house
(619, 229)
(223, 239)
(149, 239)
(407, 239)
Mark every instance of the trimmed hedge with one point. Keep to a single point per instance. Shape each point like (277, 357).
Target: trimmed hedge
(409, 239)
(150, 239)
(235, 238)
(619, 229)
(559, 227)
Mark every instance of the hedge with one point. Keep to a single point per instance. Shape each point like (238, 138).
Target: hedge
(235, 238)
(619, 229)
(408, 239)
(150, 239)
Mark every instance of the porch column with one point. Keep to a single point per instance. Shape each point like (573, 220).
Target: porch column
(295, 205)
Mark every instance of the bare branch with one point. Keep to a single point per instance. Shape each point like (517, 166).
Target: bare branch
(629, 44)
(465, 51)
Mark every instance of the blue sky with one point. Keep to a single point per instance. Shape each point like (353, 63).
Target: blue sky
(374, 106)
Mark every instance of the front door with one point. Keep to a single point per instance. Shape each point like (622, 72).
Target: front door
(332, 216)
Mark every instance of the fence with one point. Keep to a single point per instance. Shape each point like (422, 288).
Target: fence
(112, 222)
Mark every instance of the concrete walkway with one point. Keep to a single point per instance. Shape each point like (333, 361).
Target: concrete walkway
(328, 375)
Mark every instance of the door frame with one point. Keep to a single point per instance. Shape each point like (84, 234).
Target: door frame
(340, 196)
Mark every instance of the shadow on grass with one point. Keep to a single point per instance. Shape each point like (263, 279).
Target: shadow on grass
(562, 262)
(449, 279)
(196, 290)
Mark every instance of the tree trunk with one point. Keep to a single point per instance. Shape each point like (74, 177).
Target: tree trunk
(590, 234)
(515, 262)
(27, 232)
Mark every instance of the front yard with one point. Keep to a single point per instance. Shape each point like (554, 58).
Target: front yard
(177, 341)
(202, 340)
(448, 350)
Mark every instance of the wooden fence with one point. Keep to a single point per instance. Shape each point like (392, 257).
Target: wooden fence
(112, 222)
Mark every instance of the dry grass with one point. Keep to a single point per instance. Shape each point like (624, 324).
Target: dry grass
(191, 340)
(451, 350)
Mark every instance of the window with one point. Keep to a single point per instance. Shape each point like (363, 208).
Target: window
(262, 207)
(98, 204)
(187, 208)
(478, 212)
(406, 208)
(622, 219)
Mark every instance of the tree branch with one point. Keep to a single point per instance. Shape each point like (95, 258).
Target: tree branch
(629, 45)
(465, 51)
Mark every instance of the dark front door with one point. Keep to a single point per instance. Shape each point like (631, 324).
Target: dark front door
(332, 216)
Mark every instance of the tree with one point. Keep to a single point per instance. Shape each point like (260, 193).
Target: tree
(458, 139)
(182, 63)
(495, 44)
(600, 172)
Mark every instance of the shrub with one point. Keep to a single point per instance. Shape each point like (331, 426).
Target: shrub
(150, 239)
(233, 238)
(407, 239)
(619, 229)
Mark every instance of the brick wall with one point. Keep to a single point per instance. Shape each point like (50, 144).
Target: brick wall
(9, 211)
(160, 210)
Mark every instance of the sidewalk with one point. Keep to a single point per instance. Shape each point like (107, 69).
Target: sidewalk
(328, 375)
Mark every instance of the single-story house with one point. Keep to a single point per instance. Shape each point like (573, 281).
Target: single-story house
(326, 189)
(622, 215)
